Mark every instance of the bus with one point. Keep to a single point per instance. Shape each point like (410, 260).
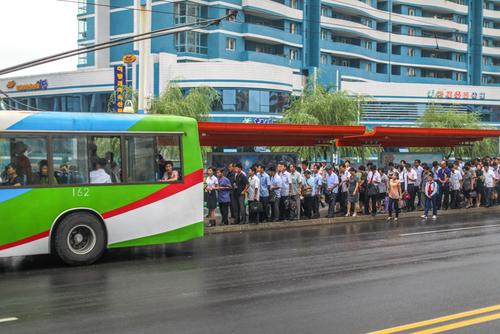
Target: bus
(76, 184)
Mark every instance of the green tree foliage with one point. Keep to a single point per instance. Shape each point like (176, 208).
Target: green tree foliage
(196, 104)
(129, 94)
(435, 117)
(319, 105)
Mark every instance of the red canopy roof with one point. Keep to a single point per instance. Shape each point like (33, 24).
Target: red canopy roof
(246, 134)
(417, 137)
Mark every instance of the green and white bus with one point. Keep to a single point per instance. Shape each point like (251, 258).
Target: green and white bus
(75, 184)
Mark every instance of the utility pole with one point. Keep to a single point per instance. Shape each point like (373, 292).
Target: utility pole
(145, 74)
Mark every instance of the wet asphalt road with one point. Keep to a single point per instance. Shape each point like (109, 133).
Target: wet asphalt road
(345, 278)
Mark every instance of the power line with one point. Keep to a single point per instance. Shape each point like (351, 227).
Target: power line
(117, 42)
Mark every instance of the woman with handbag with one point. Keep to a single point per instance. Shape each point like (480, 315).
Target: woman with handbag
(394, 193)
(211, 184)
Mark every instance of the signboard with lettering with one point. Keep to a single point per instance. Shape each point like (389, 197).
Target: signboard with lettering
(455, 94)
(120, 83)
(129, 59)
(41, 84)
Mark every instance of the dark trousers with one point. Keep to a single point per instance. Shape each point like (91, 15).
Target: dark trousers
(444, 197)
(343, 202)
(418, 194)
(308, 206)
(455, 199)
(315, 206)
(332, 203)
(264, 215)
(233, 205)
(253, 217)
(373, 199)
(284, 211)
(241, 215)
(434, 201)
(410, 204)
(275, 209)
(488, 196)
(366, 204)
(393, 206)
(224, 211)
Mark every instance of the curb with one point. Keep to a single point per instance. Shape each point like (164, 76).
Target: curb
(337, 220)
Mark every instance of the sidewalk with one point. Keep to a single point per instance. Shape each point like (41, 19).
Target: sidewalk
(338, 220)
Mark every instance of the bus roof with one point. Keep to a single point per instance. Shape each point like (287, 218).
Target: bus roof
(74, 121)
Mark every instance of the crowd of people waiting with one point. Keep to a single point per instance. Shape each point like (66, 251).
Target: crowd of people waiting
(290, 192)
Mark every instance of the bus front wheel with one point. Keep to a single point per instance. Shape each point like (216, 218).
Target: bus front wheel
(80, 239)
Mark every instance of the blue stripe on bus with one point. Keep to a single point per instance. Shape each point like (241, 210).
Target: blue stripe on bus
(6, 194)
(67, 121)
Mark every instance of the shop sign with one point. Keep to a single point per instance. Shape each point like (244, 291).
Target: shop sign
(120, 83)
(456, 94)
(129, 59)
(41, 84)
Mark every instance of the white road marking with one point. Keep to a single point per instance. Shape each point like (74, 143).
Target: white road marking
(450, 230)
(8, 319)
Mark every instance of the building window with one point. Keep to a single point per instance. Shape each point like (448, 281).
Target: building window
(230, 44)
(459, 57)
(231, 18)
(189, 12)
(366, 21)
(323, 58)
(345, 63)
(485, 60)
(82, 7)
(460, 76)
(83, 59)
(368, 67)
(410, 71)
(293, 54)
(412, 32)
(459, 38)
(412, 12)
(324, 11)
(192, 42)
(294, 28)
(324, 34)
(82, 29)
(294, 4)
(411, 52)
(368, 45)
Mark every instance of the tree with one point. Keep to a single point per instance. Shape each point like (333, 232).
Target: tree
(128, 94)
(197, 103)
(319, 105)
(435, 117)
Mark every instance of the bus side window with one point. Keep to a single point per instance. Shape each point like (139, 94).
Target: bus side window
(169, 158)
(141, 159)
(104, 156)
(70, 160)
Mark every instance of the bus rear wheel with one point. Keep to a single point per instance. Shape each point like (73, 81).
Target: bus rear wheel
(80, 239)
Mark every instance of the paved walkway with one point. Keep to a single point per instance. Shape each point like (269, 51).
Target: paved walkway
(339, 219)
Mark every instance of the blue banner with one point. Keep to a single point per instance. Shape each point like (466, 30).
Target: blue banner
(120, 83)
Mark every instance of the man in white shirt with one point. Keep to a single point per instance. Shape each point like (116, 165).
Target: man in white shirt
(489, 184)
(455, 184)
(253, 194)
(99, 175)
(410, 181)
(418, 185)
(373, 180)
(286, 180)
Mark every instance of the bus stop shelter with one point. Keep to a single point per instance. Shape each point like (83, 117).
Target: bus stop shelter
(417, 137)
(245, 134)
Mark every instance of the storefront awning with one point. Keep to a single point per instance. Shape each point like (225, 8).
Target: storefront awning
(417, 137)
(245, 134)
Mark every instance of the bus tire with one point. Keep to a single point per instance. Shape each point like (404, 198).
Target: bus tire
(80, 239)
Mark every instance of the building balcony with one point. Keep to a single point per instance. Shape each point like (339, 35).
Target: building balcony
(273, 8)
(351, 50)
(491, 51)
(491, 32)
(268, 58)
(491, 14)
(492, 69)
(441, 5)
(268, 34)
(429, 62)
(355, 72)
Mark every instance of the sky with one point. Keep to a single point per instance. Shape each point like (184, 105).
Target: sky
(37, 28)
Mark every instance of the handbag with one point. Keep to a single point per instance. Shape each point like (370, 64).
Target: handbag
(407, 196)
(255, 207)
(372, 189)
(272, 197)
